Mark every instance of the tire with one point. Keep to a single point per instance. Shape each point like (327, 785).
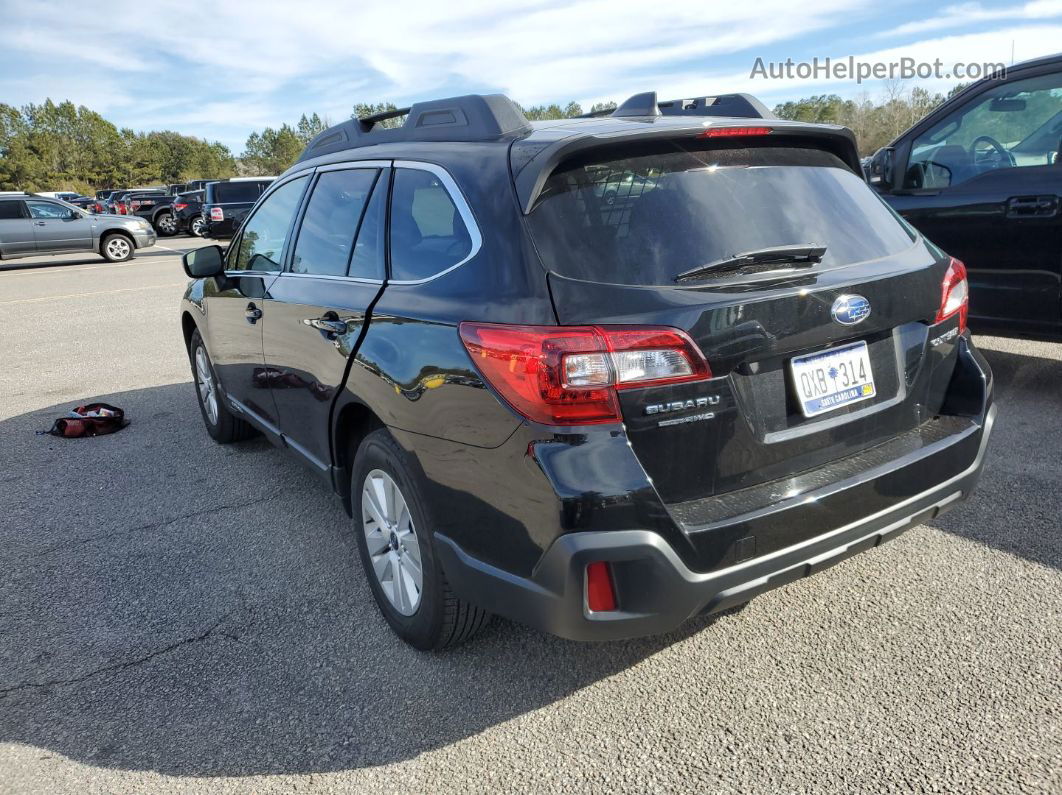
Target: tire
(116, 247)
(436, 618)
(165, 224)
(223, 426)
(197, 226)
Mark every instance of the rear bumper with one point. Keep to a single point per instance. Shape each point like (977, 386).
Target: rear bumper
(657, 591)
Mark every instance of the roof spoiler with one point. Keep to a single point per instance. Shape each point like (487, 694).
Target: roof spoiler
(742, 106)
(472, 117)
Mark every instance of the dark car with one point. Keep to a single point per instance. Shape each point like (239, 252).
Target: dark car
(87, 203)
(597, 422)
(156, 208)
(227, 202)
(981, 176)
(119, 202)
(187, 213)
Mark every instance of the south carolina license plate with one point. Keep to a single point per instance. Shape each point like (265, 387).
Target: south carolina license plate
(834, 378)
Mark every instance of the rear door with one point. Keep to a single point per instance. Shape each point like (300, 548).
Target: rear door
(319, 306)
(16, 229)
(57, 228)
(235, 304)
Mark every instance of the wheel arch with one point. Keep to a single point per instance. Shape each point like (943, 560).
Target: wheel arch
(353, 422)
(114, 230)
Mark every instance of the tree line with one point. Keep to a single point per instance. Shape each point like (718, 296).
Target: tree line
(60, 146)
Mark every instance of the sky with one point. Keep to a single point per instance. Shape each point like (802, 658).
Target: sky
(221, 70)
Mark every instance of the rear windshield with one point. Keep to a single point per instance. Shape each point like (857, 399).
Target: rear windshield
(231, 192)
(645, 219)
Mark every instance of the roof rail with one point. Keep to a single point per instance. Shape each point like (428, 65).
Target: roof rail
(744, 106)
(472, 117)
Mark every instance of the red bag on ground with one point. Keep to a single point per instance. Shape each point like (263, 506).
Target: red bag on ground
(93, 419)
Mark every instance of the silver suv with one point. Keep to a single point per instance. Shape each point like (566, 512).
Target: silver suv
(31, 225)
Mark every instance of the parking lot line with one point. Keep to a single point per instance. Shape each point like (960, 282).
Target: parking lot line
(87, 295)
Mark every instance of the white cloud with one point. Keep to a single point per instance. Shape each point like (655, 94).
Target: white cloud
(250, 64)
(971, 13)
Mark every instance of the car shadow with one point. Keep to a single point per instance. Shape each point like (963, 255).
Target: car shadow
(94, 259)
(173, 605)
(1018, 500)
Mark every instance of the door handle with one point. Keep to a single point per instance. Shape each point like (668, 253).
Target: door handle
(252, 313)
(39, 223)
(332, 326)
(1026, 206)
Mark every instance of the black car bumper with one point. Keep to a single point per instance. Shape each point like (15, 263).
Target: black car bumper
(656, 591)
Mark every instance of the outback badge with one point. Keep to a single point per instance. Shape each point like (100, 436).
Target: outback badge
(850, 309)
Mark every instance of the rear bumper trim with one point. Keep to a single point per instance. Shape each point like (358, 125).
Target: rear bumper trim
(657, 591)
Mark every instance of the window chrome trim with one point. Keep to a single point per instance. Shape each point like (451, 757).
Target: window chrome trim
(330, 277)
(458, 198)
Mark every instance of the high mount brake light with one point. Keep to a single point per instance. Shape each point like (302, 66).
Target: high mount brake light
(569, 375)
(733, 132)
(955, 295)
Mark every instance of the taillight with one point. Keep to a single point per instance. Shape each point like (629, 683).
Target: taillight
(217, 214)
(955, 298)
(730, 132)
(569, 375)
(99, 207)
(121, 208)
(134, 205)
(179, 206)
(600, 595)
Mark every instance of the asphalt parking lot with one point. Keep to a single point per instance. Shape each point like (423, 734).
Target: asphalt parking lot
(176, 615)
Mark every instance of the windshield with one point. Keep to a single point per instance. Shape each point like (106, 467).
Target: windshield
(647, 218)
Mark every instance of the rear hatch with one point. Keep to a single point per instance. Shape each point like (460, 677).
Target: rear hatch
(616, 228)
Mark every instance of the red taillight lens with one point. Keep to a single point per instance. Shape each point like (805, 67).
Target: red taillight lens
(568, 375)
(134, 205)
(600, 595)
(121, 208)
(731, 132)
(217, 214)
(179, 206)
(956, 294)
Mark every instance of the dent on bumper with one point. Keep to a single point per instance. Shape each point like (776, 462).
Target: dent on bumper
(657, 591)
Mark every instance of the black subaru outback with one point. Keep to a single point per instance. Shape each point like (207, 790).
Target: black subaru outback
(597, 410)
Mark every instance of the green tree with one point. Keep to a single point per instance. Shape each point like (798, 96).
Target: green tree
(271, 151)
(361, 110)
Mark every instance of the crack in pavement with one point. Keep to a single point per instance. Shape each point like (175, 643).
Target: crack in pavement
(206, 634)
(154, 525)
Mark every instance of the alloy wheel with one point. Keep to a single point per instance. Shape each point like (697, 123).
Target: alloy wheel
(204, 380)
(166, 224)
(392, 541)
(118, 247)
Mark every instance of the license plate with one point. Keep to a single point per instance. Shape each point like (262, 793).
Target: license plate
(828, 380)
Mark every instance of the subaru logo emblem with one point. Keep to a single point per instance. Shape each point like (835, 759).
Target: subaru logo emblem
(850, 309)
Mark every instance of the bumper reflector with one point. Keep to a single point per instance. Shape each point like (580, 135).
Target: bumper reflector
(600, 597)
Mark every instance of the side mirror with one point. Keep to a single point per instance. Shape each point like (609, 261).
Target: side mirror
(880, 172)
(202, 263)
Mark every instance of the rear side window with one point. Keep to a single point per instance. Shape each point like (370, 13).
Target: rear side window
(645, 219)
(331, 221)
(234, 192)
(428, 234)
(262, 239)
(9, 210)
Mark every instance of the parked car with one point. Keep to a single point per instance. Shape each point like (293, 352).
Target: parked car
(123, 200)
(597, 425)
(227, 202)
(65, 195)
(31, 225)
(982, 177)
(187, 213)
(86, 203)
(156, 208)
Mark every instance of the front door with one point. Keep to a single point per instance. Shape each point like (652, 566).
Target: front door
(236, 302)
(985, 184)
(318, 308)
(57, 227)
(16, 229)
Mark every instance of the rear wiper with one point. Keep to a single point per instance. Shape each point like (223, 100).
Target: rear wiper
(794, 254)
